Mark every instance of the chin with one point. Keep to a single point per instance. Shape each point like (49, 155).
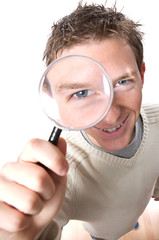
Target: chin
(112, 145)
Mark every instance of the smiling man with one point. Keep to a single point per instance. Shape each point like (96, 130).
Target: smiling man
(116, 131)
(113, 166)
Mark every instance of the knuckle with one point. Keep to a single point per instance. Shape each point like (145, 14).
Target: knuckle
(18, 222)
(40, 179)
(6, 167)
(12, 220)
(33, 204)
(44, 184)
(33, 143)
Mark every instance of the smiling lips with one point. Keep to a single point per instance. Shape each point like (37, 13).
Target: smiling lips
(112, 129)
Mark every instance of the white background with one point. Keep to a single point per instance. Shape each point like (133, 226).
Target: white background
(24, 29)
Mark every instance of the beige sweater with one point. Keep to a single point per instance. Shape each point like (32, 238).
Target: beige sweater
(106, 192)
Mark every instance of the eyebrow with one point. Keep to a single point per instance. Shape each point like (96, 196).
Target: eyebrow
(124, 76)
(70, 86)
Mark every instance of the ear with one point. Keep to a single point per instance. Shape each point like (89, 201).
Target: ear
(143, 69)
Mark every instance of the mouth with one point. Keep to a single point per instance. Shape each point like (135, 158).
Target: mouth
(109, 130)
(114, 130)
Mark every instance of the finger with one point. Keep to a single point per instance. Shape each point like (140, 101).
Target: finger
(53, 206)
(46, 153)
(31, 176)
(19, 197)
(12, 220)
(156, 199)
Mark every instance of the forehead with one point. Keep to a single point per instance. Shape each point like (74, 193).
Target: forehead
(115, 55)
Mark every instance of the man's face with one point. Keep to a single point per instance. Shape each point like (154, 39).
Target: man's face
(116, 130)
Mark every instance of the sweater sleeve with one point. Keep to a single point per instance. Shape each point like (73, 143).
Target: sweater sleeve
(156, 190)
(51, 232)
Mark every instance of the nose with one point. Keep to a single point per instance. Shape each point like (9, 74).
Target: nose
(113, 115)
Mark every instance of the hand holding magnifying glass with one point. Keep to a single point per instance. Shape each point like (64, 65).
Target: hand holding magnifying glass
(76, 93)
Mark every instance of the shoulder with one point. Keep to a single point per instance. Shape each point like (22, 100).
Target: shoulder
(150, 112)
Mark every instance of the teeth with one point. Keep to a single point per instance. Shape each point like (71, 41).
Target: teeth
(112, 129)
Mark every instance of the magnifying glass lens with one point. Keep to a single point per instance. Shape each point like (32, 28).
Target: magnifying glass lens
(76, 92)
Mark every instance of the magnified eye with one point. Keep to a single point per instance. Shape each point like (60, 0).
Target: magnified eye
(83, 93)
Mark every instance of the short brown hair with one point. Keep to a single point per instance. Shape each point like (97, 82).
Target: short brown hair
(93, 22)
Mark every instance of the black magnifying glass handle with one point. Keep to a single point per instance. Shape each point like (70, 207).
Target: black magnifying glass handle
(54, 136)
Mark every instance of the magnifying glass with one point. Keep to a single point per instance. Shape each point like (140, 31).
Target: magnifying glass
(76, 93)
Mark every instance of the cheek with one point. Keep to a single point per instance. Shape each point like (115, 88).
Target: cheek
(130, 99)
(136, 98)
(133, 103)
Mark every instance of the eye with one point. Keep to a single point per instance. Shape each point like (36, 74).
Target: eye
(121, 83)
(83, 93)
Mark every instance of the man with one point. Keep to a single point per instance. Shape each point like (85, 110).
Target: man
(113, 166)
